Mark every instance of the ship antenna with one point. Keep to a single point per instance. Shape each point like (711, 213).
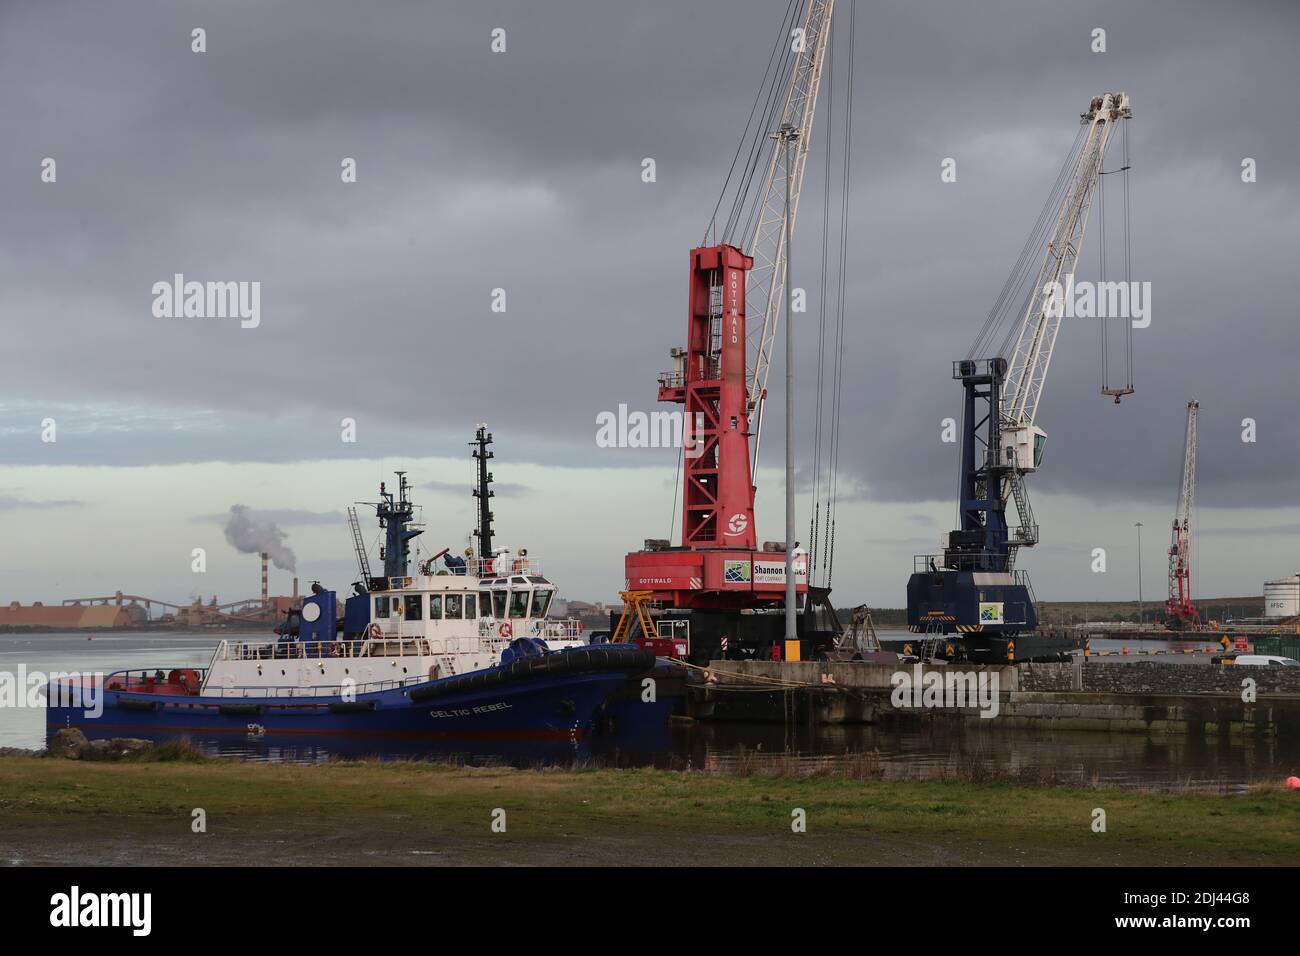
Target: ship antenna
(483, 491)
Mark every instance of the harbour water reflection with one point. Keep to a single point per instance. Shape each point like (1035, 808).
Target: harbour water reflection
(940, 751)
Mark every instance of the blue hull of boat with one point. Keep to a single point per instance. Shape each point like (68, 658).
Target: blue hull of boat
(508, 702)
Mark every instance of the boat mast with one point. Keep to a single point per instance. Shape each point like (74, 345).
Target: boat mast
(483, 492)
(393, 518)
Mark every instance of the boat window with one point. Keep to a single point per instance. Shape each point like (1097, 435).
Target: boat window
(499, 603)
(435, 607)
(518, 579)
(381, 607)
(471, 606)
(519, 604)
(452, 606)
(412, 607)
(541, 602)
(485, 602)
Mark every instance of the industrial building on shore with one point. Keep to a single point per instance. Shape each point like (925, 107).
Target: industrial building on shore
(74, 617)
(120, 610)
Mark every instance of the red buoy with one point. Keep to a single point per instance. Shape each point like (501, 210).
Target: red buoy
(1293, 783)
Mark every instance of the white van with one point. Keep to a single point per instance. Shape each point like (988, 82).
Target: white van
(1264, 660)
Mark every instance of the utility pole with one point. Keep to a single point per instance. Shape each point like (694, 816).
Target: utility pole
(786, 135)
(1138, 525)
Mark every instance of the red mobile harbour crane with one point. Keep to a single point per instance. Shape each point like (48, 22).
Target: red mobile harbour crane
(717, 593)
(1180, 612)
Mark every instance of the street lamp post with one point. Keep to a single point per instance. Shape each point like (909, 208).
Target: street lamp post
(787, 136)
(1138, 525)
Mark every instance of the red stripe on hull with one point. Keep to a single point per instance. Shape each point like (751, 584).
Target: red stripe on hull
(575, 734)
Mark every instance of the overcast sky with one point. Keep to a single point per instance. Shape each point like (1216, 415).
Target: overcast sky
(522, 171)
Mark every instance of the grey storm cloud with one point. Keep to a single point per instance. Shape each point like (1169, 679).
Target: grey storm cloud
(521, 171)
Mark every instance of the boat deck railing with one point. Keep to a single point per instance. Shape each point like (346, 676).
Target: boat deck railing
(146, 681)
(499, 567)
(489, 567)
(154, 680)
(296, 691)
(491, 635)
(301, 650)
(569, 629)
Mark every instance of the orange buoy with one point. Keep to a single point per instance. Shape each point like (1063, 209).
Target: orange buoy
(1293, 783)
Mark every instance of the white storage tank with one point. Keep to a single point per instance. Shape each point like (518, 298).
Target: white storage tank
(1282, 597)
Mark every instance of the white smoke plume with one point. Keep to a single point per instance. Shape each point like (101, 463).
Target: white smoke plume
(251, 536)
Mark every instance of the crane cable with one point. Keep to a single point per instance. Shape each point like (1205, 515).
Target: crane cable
(772, 60)
(1101, 275)
(828, 542)
(1128, 271)
(756, 130)
(814, 518)
(1027, 259)
(775, 70)
(1055, 202)
(763, 142)
(1128, 257)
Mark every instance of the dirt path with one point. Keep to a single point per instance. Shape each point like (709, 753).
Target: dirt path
(150, 842)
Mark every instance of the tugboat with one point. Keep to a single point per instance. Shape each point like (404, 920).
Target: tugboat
(464, 650)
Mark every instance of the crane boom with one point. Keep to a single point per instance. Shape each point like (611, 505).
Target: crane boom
(1179, 610)
(1032, 355)
(766, 286)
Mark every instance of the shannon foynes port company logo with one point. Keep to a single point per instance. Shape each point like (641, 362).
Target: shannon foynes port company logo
(24, 688)
(179, 299)
(675, 429)
(945, 687)
(75, 908)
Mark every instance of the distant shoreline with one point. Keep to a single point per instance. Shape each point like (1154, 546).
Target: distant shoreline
(137, 629)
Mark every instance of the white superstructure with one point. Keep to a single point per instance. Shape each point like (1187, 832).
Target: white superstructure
(422, 627)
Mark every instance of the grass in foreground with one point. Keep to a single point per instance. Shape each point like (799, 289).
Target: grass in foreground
(356, 812)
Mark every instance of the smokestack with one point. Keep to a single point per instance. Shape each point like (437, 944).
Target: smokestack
(266, 594)
(295, 589)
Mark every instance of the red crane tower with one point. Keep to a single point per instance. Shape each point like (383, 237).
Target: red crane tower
(718, 564)
(718, 582)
